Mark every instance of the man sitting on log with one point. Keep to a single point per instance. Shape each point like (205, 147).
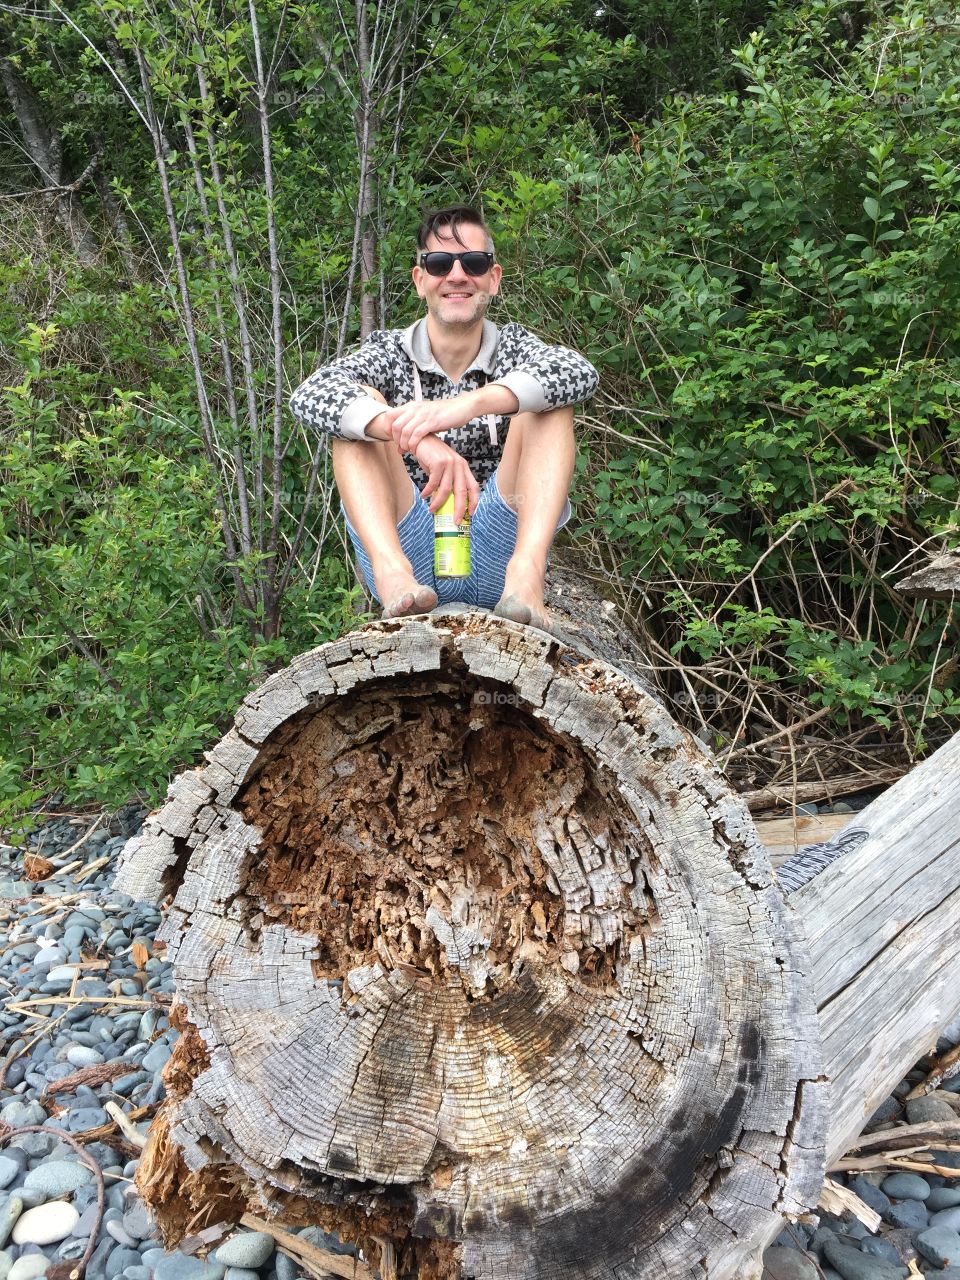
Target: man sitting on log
(453, 404)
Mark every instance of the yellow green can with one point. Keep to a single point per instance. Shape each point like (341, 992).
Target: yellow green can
(451, 543)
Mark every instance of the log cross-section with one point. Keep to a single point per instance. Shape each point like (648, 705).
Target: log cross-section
(479, 963)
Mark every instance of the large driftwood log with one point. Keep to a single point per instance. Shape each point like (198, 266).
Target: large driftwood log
(480, 960)
(483, 967)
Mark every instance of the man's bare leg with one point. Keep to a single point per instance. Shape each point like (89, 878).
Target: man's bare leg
(376, 493)
(534, 478)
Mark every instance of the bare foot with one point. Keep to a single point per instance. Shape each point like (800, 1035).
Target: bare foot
(522, 599)
(402, 594)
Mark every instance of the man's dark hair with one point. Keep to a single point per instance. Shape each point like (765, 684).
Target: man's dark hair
(452, 217)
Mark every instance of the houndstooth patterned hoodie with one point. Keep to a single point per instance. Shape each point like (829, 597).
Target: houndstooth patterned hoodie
(398, 362)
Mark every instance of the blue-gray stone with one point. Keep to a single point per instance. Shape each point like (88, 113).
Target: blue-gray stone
(157, 1058)
(137, 1273)
(136, 1221)
(95, 1267)
(11, 1208)
(87, 1118)
(779, 1263)
(57, 1177)
(35, 1144)
(905, 1186)
(287, 1269)
(943, 1198)
(869, 1194)
(907, 1213)
(121, 1257)
(17, 1114)
(87, 1221)
(126, 1084)
(115, 1228)
(9, 1171)
(854, 1265)
(949, 1218)
(880, 1248)
(28, 1266)
(922, 1110)
(250, 1249)
(32, 1197)
(180, 1266)
(6, 1262)
(71, 1248)
(80, 1055)
(940, 1245)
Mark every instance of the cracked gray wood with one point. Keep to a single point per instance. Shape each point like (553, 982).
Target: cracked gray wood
(483, 963)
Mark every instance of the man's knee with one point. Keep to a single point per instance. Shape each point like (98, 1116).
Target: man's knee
(372, 391)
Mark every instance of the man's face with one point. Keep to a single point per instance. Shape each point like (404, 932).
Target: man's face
(456, 298)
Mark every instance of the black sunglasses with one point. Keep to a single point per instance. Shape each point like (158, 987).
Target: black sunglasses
(440, 263)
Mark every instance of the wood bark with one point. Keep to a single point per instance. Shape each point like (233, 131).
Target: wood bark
(481, 965)
(939, 580)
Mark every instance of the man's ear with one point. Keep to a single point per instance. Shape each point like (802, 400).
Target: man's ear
(496, 275)
(417, 274)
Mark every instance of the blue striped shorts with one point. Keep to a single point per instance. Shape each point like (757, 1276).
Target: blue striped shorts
(493, 537)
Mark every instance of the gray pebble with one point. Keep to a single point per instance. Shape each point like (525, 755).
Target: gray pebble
(115, 1228)
(920, 1110)
(870, 1194)
(180, 1266)
(136, 1221)
(905, 1186)
(18, 1113)
(10, 1210)
(940, 1245)
(9, 1171)
(907, 1213)
(287, 1269)
(87, 1221)
(80, 1055)
(137, 1273)
(943, 1198)
(250, 1249)
(120, 1258)
(854, 1265)
(241, 1273)
(778, 1264)
(880, 1248)
(26, 1268)
(949, 1218)
(57, 1177)
(157, 1058)
(86, 1118)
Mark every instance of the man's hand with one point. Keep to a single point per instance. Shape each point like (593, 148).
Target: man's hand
(448, 473)
(409, 423)
(412, 422)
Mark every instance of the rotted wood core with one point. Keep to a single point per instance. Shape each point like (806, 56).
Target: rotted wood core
(485, 970)
(427, 802)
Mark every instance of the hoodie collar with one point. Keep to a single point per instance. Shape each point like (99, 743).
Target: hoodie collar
(416, 343)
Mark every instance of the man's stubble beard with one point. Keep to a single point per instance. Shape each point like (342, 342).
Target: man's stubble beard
(479, 311)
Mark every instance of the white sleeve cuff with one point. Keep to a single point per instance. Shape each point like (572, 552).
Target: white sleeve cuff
(356, 416)
(527, 389)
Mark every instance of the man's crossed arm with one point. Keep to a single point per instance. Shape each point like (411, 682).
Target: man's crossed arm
(414, 426)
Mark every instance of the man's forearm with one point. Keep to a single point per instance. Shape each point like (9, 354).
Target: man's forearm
(461, 409)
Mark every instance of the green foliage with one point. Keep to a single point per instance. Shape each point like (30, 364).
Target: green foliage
(123, 655)
(745, 216)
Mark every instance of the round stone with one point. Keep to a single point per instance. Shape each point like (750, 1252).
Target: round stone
(122, 1237)
(940, 1245)
(911, 1214)
(10, 1211)
(781, 1263)
(905, 1186)
(921, 1110)
(240, 1273)
(180, 1266)
(47, 1224)
(57, 1177)
(136, 1221)
(943, 1198)
(854, 1265)
(79, 1055)
(9, 1170)
(34, 1264)
(250, 1249)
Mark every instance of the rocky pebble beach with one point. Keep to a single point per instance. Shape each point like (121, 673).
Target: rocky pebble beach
(84, 1027)
(86, 1035)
